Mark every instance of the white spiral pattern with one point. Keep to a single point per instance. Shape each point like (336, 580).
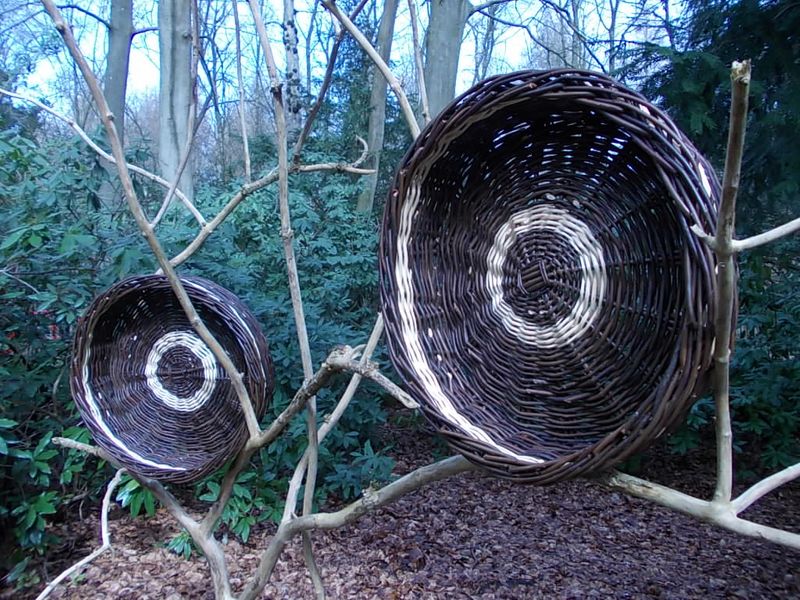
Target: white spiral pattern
(196, 346)
(550, 219)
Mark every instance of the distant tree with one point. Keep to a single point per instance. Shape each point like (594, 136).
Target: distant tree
(691, 81)
(377, 105)
(115, 82)
(446, 22)
(177, 87)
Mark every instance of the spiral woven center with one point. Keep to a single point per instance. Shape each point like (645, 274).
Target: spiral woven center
(181, 371)
(566, 289)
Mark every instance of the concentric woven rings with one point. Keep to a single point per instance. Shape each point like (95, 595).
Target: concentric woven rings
(150, 390)
(545, 299)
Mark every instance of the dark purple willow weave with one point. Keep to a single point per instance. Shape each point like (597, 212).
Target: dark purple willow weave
(149, 389)
(545, 300)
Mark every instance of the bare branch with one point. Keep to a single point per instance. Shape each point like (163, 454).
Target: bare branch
(768, 236)
(717, 513)
(86, 12)
(370, 371)
(106, 156)
(294, 281)
(765, 486)
(323, 91)
(143, 30)
(10, 275)
(705, 237)
(485, 5)
(104, 534)
(408, 112)
(726, 274)
(88, 449)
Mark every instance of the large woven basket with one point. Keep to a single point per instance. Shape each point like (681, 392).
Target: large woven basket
(545, 299)
(151, 391)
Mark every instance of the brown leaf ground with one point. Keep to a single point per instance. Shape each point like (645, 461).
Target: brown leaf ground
(475, 537)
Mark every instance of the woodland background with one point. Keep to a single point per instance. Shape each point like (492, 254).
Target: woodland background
(65, 233)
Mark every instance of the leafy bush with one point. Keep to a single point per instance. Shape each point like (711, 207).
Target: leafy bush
(765, 367)
(56, 249)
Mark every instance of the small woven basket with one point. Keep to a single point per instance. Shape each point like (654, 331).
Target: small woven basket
(545, 299)
(150, 390)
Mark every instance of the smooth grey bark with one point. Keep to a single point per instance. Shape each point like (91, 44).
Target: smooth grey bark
(115, 82)
(293, 101)
(377, 106)
(176, 90)
(443, 49)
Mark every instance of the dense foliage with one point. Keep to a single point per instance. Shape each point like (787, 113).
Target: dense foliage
(691, 81)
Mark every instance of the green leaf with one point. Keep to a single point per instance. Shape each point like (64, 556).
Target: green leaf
(7, 423)
(44, 504)
(213, 494)
(149, 503)
(136, 504)
(12, 239)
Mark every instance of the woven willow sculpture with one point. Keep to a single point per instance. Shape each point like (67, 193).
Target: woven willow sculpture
(150, 390)
(545, 299)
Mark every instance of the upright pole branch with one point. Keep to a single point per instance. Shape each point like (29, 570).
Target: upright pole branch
(726, 278)
(294, 282)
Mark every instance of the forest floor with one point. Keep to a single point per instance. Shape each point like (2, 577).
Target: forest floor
(473, 536)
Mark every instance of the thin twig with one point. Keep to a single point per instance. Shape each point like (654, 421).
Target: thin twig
(86, 448)
(749, 243)
(765, 486)
(10, 275)
(104, 535)
(107, 157)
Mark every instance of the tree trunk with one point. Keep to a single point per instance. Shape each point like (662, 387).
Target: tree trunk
(484, 44)
(377, 104)
(442, 50)
(175, 96)
(293, 101)
(115, 82)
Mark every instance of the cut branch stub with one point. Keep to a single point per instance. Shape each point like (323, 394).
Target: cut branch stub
(546, 301)
(151, 391)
